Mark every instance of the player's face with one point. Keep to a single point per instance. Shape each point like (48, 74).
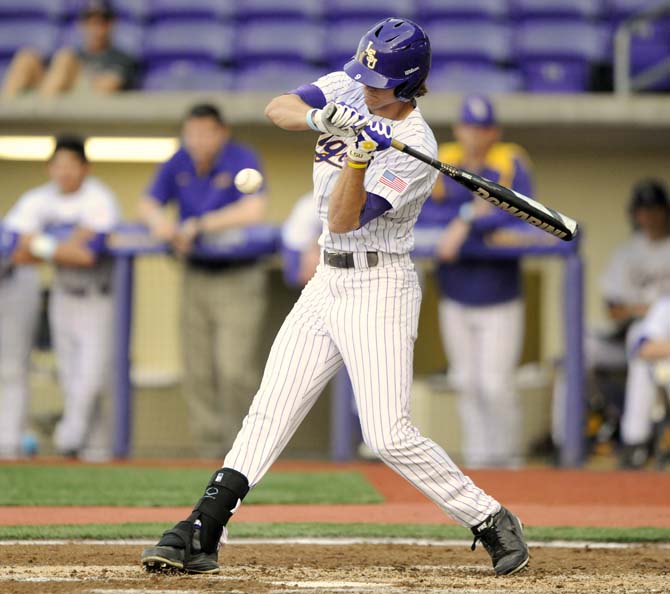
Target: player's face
(96, 31)
(476, 139)
(652, 221)
(377, 99)
(67, 171)
(203, 138)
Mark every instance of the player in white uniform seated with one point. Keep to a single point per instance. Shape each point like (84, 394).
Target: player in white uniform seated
(80, 310)
(20, 298)
(637, 274)
(648, 369)
(360, 309)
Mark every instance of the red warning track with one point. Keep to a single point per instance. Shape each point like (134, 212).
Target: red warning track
(542, 497)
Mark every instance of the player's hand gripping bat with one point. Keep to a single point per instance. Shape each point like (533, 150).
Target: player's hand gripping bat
(520, 206)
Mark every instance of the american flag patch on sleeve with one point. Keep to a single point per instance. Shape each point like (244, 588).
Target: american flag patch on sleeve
(393, 181)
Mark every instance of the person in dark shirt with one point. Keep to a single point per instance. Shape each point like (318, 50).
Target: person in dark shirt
(223, 300)
(481, 304)
(96, 66)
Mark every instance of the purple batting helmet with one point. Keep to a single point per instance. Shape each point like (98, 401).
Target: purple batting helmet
(393, 54)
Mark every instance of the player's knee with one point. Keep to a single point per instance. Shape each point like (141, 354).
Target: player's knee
(394, 442)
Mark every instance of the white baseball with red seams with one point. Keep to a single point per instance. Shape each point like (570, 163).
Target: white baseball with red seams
(365, 318)
(248, 180)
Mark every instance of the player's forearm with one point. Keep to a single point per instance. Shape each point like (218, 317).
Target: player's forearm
(652, 350)
(247, 211)
(75, 255)
(347, 200)
(288, 112)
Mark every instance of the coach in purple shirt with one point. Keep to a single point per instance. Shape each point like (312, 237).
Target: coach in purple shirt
(481, 306)
(222, 300)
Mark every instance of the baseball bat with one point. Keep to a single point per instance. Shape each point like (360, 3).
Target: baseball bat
(524, 208)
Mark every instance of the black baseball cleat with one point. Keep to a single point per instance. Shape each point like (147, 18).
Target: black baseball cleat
(502, 537)
(179, 551)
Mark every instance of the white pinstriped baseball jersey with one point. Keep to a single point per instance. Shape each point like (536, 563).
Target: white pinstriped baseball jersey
(365, 318)
(403, 181)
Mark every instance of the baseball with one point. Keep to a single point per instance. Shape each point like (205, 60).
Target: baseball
(248, 181)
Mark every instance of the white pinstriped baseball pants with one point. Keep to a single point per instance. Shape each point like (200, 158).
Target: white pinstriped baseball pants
(366, 319)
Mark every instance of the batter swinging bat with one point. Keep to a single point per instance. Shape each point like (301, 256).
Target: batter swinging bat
(520, 206)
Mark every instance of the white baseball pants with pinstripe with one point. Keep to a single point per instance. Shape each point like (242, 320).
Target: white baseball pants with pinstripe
(367, 319)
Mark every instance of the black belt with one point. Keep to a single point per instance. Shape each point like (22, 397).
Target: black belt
(346, 259)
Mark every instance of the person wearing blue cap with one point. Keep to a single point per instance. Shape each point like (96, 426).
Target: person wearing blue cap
(481, 304)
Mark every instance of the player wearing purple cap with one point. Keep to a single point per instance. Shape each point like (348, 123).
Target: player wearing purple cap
(360, 310)
(481, 303)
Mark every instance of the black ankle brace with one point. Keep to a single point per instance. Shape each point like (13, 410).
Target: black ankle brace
(223, 494)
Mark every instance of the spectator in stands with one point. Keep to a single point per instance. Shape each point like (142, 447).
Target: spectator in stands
(481, 306)
(222, 299)
(648, 370)
(97, 66)
(637, 274)
(81, 308)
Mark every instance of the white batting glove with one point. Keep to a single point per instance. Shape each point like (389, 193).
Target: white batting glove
(338, 119)
(376, 136)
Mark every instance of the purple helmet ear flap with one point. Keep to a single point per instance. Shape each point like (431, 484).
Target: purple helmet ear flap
(394, 53)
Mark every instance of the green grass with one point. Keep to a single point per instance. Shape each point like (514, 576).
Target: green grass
(288, 530)
(132, 486)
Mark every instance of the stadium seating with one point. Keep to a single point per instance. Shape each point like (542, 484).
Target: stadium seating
(194, 39)
(184, 76)
(45, 9)
(275, 76)
(473, 78)
(36, 34)
(548, 45)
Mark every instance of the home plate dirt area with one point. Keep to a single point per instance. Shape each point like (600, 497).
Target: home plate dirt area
(379, 568)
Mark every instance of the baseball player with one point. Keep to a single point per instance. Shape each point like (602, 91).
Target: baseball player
(360, 309)
(20, 299)
(637, 274)
(481, 300)
(648, 351)
(80, 309)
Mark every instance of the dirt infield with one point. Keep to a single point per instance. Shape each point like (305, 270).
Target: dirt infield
(104, 569)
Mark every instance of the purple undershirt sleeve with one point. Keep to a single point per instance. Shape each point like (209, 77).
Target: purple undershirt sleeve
(310, 94)
(374, 206)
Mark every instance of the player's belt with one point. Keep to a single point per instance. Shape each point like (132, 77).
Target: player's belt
(346, 259)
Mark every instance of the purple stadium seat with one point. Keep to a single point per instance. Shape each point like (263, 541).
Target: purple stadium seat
(282, 40)
(134, 10)
(550, 40)
(276, 76)
(344, 9)
(206, 40)
(127, 36)
(555, 76)
(188, 9)
(37, 34)
(586, 9)
(47, 9)
(621, 9)
(295, 9)
(650, 45)
(464, 77)
(487, 41)
(342, 39)
(187, 76)
(426, 10)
